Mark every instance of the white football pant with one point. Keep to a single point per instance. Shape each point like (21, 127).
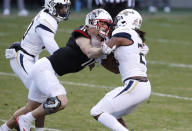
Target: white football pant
(45, 82)
(22, 65)
(123, 100)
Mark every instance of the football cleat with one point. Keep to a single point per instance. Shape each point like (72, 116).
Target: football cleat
(23, 124)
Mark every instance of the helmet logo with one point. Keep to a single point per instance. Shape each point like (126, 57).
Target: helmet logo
(127, 12)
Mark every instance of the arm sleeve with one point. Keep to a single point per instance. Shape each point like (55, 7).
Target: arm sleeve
(48, 40)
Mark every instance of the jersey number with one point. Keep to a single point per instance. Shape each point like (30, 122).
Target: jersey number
(28, 29)
(141, 58)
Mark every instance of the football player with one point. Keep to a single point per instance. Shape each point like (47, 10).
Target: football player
(128, 39)
(40, 34)
(82, 49)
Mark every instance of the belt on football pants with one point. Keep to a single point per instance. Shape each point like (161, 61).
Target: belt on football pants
(24, 51)
(17, 47)
(138, 78)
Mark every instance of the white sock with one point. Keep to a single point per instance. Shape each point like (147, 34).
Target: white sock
(4, 127)
(111, 122)
(39, 129)
(29, 117)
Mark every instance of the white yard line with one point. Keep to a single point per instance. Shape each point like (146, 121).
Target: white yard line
(2, 34)
(102, 86)
(179, 65)
(167, 41)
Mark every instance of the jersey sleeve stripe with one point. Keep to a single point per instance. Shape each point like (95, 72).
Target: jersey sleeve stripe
(123, 35)
(45, 28)
(83, 33)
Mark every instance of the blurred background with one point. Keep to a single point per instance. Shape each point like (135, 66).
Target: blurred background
(152, 6)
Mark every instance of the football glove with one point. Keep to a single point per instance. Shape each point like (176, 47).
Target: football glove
(106, 49)
(145, 49)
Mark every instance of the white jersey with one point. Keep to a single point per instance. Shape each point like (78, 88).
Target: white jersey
(131, 61)
(39, 34)
(31, 41)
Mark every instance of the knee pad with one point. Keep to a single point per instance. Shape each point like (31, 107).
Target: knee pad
(95, 111)
(52, 105)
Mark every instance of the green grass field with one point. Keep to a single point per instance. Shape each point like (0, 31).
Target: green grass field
(169, 37)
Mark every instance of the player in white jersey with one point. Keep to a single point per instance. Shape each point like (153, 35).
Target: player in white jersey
(40, 34)
(80, 51)
(132, 66)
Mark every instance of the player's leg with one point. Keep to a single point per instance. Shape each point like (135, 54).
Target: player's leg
(102, 113)
(130, 3)
(21, 8)
(122, 122)
(153, 5)
(119, 102)
(22, 65)
(111, 122)
(52, 105)
(20, 4)
(11, 123)
(36, 96)
(50, 87)
(166, 5)
(39, 123)
(6, 7)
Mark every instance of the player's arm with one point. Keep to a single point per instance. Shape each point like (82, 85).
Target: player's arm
(87, 48)
(118, 41)
(113, 43)
(47, 36)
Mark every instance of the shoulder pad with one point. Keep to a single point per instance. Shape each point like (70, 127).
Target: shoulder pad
(48, 21)
(122, 29)
(81, 32)
(123, 33)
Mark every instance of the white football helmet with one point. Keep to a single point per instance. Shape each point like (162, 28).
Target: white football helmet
(99, 15)
(129, 18)
(54, 6)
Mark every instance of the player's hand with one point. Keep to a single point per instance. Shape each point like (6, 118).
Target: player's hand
(144, 49)
(106, 49)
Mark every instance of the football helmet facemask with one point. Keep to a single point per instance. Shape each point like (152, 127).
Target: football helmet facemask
(58, 8)
(97, 18)
(128, 18)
